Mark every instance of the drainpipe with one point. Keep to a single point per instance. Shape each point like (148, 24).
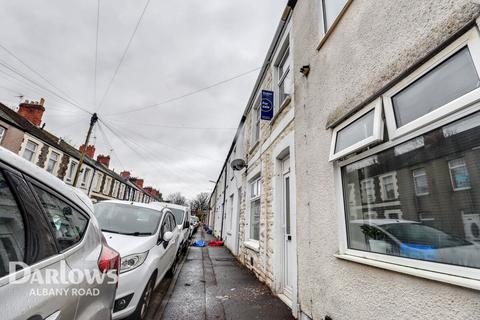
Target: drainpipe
(224, 199)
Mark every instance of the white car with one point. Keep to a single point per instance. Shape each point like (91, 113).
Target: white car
(182, 218)
(412, 239)
(146, 237)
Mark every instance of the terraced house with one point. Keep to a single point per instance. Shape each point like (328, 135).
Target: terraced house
(383, 189)
(22, 132)
(257, 198)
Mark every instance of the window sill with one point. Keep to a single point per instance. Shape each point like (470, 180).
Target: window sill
(252, 245)
(431, 275)
(284, 104)
(335, 23)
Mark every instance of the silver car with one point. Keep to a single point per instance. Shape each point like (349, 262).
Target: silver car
(51, 248)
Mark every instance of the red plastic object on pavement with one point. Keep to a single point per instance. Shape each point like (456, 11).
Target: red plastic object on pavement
(215, 243)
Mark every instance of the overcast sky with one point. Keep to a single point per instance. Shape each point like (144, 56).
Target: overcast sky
(180, 46)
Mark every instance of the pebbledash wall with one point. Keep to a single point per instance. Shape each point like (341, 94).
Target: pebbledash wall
(373, 44)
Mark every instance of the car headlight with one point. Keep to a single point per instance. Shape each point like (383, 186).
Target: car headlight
(132, 261)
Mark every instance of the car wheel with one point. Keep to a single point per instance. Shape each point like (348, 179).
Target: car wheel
(142, 307)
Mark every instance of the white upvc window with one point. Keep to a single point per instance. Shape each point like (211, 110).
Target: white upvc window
(284, 77)
(331, 9)
(108, 184)
(30, 151)
(388, 186)
(85, 177)
(459, 174)
(420, 220)
(72, 169)
(53, 161)
(115, 189)
(361, 130)
(255, 193)
(446, 84)
(368, 190)
(2, 133)
(98, 187)
(420, 181)
(121, 194)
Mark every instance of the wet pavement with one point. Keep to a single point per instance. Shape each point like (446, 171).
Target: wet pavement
(211, 284)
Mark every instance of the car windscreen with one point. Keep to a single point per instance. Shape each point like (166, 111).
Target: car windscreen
(127, 219)
(179, 214)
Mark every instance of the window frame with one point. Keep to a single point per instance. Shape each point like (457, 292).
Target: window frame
(471, 39)
(284, 56)
(415, 176)
(72, 168)
(456, 275)
(323, 12)
(3, 131)
(36, 184)
(56, 162)
(34, 152)
(377, 135)
(85, 177)
(254, 198)
(325, 32)
(452, 180)
(383, 190)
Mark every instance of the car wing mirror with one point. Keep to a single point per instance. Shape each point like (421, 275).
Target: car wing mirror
(167, 236)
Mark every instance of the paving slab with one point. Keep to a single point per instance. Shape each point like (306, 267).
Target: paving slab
(212, 285)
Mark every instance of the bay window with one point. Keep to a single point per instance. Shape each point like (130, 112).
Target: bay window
(410, 195)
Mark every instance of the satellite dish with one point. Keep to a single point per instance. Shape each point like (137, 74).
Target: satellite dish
(238, 164)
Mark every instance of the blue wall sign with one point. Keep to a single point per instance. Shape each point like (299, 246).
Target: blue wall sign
(267, 105)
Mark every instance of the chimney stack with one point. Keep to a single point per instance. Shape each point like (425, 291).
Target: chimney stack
(105, 160)
(139, 183)
(90, 150)
(125, 174)
(32, 111)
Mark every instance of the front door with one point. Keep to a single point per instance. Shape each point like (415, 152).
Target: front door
(288, 232)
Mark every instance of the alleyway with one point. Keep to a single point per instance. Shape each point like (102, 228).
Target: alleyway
(210, 284)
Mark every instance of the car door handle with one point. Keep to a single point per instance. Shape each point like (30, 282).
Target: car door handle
(36, 317)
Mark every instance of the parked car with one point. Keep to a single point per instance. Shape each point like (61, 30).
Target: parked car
(50, 227)
(182, 218)
(194, 223)
(146, 237)
(414, 240)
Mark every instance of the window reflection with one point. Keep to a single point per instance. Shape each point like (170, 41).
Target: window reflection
(419, 200)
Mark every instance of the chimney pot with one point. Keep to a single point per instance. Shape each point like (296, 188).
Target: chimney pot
(90, 150)
(105, 160)
(32, 111)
